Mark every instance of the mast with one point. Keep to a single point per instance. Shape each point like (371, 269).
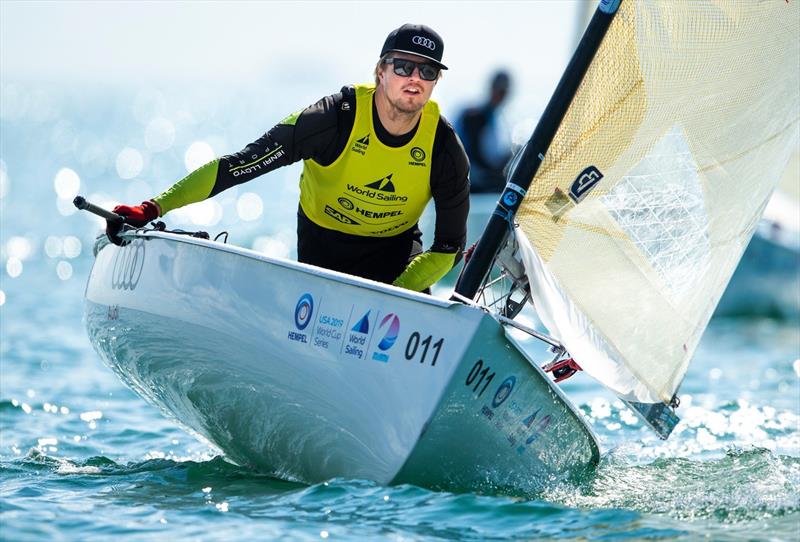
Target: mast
(527, 162)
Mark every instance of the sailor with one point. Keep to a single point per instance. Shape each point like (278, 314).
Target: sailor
(485, 138)
(373, 157)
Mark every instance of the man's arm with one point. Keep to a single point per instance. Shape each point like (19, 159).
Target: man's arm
(315, 133)
(450, 189)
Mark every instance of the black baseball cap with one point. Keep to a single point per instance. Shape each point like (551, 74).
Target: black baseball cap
(416, 39)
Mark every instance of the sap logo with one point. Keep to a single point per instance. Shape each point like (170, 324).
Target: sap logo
(584, 184)
(336, 215)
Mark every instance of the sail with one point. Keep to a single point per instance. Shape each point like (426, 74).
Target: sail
(655, 181)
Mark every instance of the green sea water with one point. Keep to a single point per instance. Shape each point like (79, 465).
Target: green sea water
(84, 458)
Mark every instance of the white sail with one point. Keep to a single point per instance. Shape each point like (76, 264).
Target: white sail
(655, 181)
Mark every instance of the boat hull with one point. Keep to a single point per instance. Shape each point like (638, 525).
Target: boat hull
(307, 374)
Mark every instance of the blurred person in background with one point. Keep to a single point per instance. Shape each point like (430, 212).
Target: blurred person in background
(485, 139)
(373, 157)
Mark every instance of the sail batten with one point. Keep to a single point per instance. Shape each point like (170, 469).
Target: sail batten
(655, 180)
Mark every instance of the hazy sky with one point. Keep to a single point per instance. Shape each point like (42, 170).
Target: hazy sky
(280, 43)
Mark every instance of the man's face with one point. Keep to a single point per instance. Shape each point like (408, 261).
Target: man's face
(407, 94)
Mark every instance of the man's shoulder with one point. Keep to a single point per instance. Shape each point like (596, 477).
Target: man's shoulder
(447, 137)
(332, 105)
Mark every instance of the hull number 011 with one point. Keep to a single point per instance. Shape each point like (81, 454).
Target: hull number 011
(417, 347)
(480, 376)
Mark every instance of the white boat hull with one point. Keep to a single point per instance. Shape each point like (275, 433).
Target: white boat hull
(309, 374)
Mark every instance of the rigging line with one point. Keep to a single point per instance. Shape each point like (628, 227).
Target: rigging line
(468, 301)
(530, 331)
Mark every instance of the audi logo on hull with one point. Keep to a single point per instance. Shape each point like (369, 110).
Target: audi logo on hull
(425, 42)
(128, 266)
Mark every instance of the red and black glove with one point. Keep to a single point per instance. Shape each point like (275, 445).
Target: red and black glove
(137, 216)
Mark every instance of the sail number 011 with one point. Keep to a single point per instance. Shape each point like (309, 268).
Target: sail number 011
(417, 345)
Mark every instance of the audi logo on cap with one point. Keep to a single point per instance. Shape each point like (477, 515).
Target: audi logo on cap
(425, 42)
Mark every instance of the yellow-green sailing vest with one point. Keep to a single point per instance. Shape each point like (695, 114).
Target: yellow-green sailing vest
(371, 189)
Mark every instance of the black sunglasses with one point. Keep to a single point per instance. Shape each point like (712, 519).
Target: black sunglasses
(404, 68)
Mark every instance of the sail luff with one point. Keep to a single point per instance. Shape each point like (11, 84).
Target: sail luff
(527, 163)
(655, 181)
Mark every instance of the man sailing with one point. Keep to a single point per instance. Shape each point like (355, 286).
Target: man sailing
(373, 157)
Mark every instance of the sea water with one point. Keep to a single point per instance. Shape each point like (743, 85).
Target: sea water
(84, 458)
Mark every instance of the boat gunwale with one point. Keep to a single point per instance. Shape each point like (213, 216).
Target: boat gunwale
(336, 276)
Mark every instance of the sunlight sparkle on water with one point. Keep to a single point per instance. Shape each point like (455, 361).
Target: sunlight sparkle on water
(65, 207)
(91, 415)
(19, 247)
(67, 183)
(204, 213)
(249, 206)
(72, 246)
(2, 298)
(53, 246)
(198, 154)
(159, 134)
(600, 408)
(14, 267)
(129, 163)
(64, 270)
(270, 246)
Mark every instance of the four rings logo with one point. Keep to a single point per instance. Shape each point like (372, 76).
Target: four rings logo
(128, 266)
(425, 42)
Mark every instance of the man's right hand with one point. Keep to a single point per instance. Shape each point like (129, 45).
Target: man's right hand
(137, 216)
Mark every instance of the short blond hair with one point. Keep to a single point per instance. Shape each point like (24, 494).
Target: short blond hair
(379, 67)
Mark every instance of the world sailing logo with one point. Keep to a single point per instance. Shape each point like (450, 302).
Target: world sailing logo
(360, 145)
(391, 323)
(383, 189)
(384, 185)
(357, 338)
